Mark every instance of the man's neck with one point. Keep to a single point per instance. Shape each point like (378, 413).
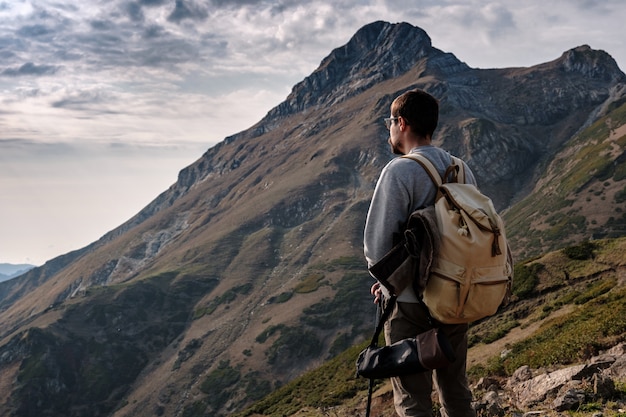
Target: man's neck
(418, 141)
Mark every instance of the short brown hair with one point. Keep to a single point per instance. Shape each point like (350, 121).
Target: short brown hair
(419, 109)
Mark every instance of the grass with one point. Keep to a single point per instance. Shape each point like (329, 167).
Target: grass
(329, 385)
(597, 325)
(310, 283)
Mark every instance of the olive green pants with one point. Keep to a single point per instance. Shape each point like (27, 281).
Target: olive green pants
(412, 394)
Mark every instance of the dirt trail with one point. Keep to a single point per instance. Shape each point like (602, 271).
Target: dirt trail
(617, 133)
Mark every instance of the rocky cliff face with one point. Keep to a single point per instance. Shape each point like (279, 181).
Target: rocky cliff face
(249, 269)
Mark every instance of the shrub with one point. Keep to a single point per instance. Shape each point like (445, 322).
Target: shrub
(310, 283)
(228, 297)
(269, 332)
(222, 377)
(218, 382)
(581, 252)
(347, 263)
(526, 279)
(620, 196)
(348, 307)
(256, 388)
(281, 298)
(293, 343)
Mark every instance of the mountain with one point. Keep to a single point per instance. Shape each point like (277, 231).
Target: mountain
(249, 270)
(8, 271)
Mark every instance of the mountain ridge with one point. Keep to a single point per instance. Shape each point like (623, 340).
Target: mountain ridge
(250, 266)
(8, 271)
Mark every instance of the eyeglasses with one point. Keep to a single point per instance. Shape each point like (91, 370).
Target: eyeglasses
(389, 120)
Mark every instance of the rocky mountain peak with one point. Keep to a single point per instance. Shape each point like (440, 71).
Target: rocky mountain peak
(594, 64)
(377, 52)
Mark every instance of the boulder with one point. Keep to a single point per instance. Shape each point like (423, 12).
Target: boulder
(560, 390)
(571, 399)
(541, 387)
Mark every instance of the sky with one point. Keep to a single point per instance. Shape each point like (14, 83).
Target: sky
(103, 102)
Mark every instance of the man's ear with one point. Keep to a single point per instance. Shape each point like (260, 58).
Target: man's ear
(402, 123)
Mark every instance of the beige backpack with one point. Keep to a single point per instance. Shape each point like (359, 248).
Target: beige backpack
(472, 271)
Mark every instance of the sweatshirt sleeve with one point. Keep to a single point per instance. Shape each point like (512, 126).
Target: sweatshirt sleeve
(387, 214)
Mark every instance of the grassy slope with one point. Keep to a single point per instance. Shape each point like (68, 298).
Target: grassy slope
(569, 306)
(581, 194)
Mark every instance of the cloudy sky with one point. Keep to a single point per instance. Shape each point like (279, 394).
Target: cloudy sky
(103, 101)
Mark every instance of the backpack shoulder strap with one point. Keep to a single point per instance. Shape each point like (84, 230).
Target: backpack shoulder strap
(460, 175)
(428, 166)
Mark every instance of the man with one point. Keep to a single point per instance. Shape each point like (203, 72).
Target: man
(403, 187)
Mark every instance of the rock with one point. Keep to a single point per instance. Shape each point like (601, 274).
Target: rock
(618, 350)
(617, 370)
(490, 405)
(571, 400)
(539, 388)
(523, 373)
(603, 387)
(487, 384)
(532, 414)
(562, 390)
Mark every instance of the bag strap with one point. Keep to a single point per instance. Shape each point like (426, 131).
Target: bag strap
(382, 319)
(431, 320)
(456, 170)
(428, 166)
(387, 312)
(460, 175)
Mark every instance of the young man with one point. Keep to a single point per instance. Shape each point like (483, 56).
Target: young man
(403, 187)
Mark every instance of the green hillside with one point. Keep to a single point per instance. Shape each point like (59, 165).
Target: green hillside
(580, 195)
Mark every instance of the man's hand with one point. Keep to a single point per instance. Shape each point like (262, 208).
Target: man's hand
(376, 292)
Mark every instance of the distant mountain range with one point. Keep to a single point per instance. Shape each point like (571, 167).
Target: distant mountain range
(249, 270)
(8, 271)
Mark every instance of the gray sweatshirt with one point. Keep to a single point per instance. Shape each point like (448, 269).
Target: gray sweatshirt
(403, 187)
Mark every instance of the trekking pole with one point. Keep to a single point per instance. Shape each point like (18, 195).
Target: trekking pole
(369, 398)
(370, 390)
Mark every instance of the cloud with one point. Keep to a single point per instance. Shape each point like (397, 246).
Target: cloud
(153, 3)
(602, 7)
(134, 12)
(102, 25)
(158, 73)
(14, 150)
(153, 31)
(187, 9)
(183, 49)
(30, 69)
(34, 30)
(86, 100)
(166, 50)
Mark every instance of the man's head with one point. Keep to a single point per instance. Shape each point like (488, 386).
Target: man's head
(414, 117)
(419, 109)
